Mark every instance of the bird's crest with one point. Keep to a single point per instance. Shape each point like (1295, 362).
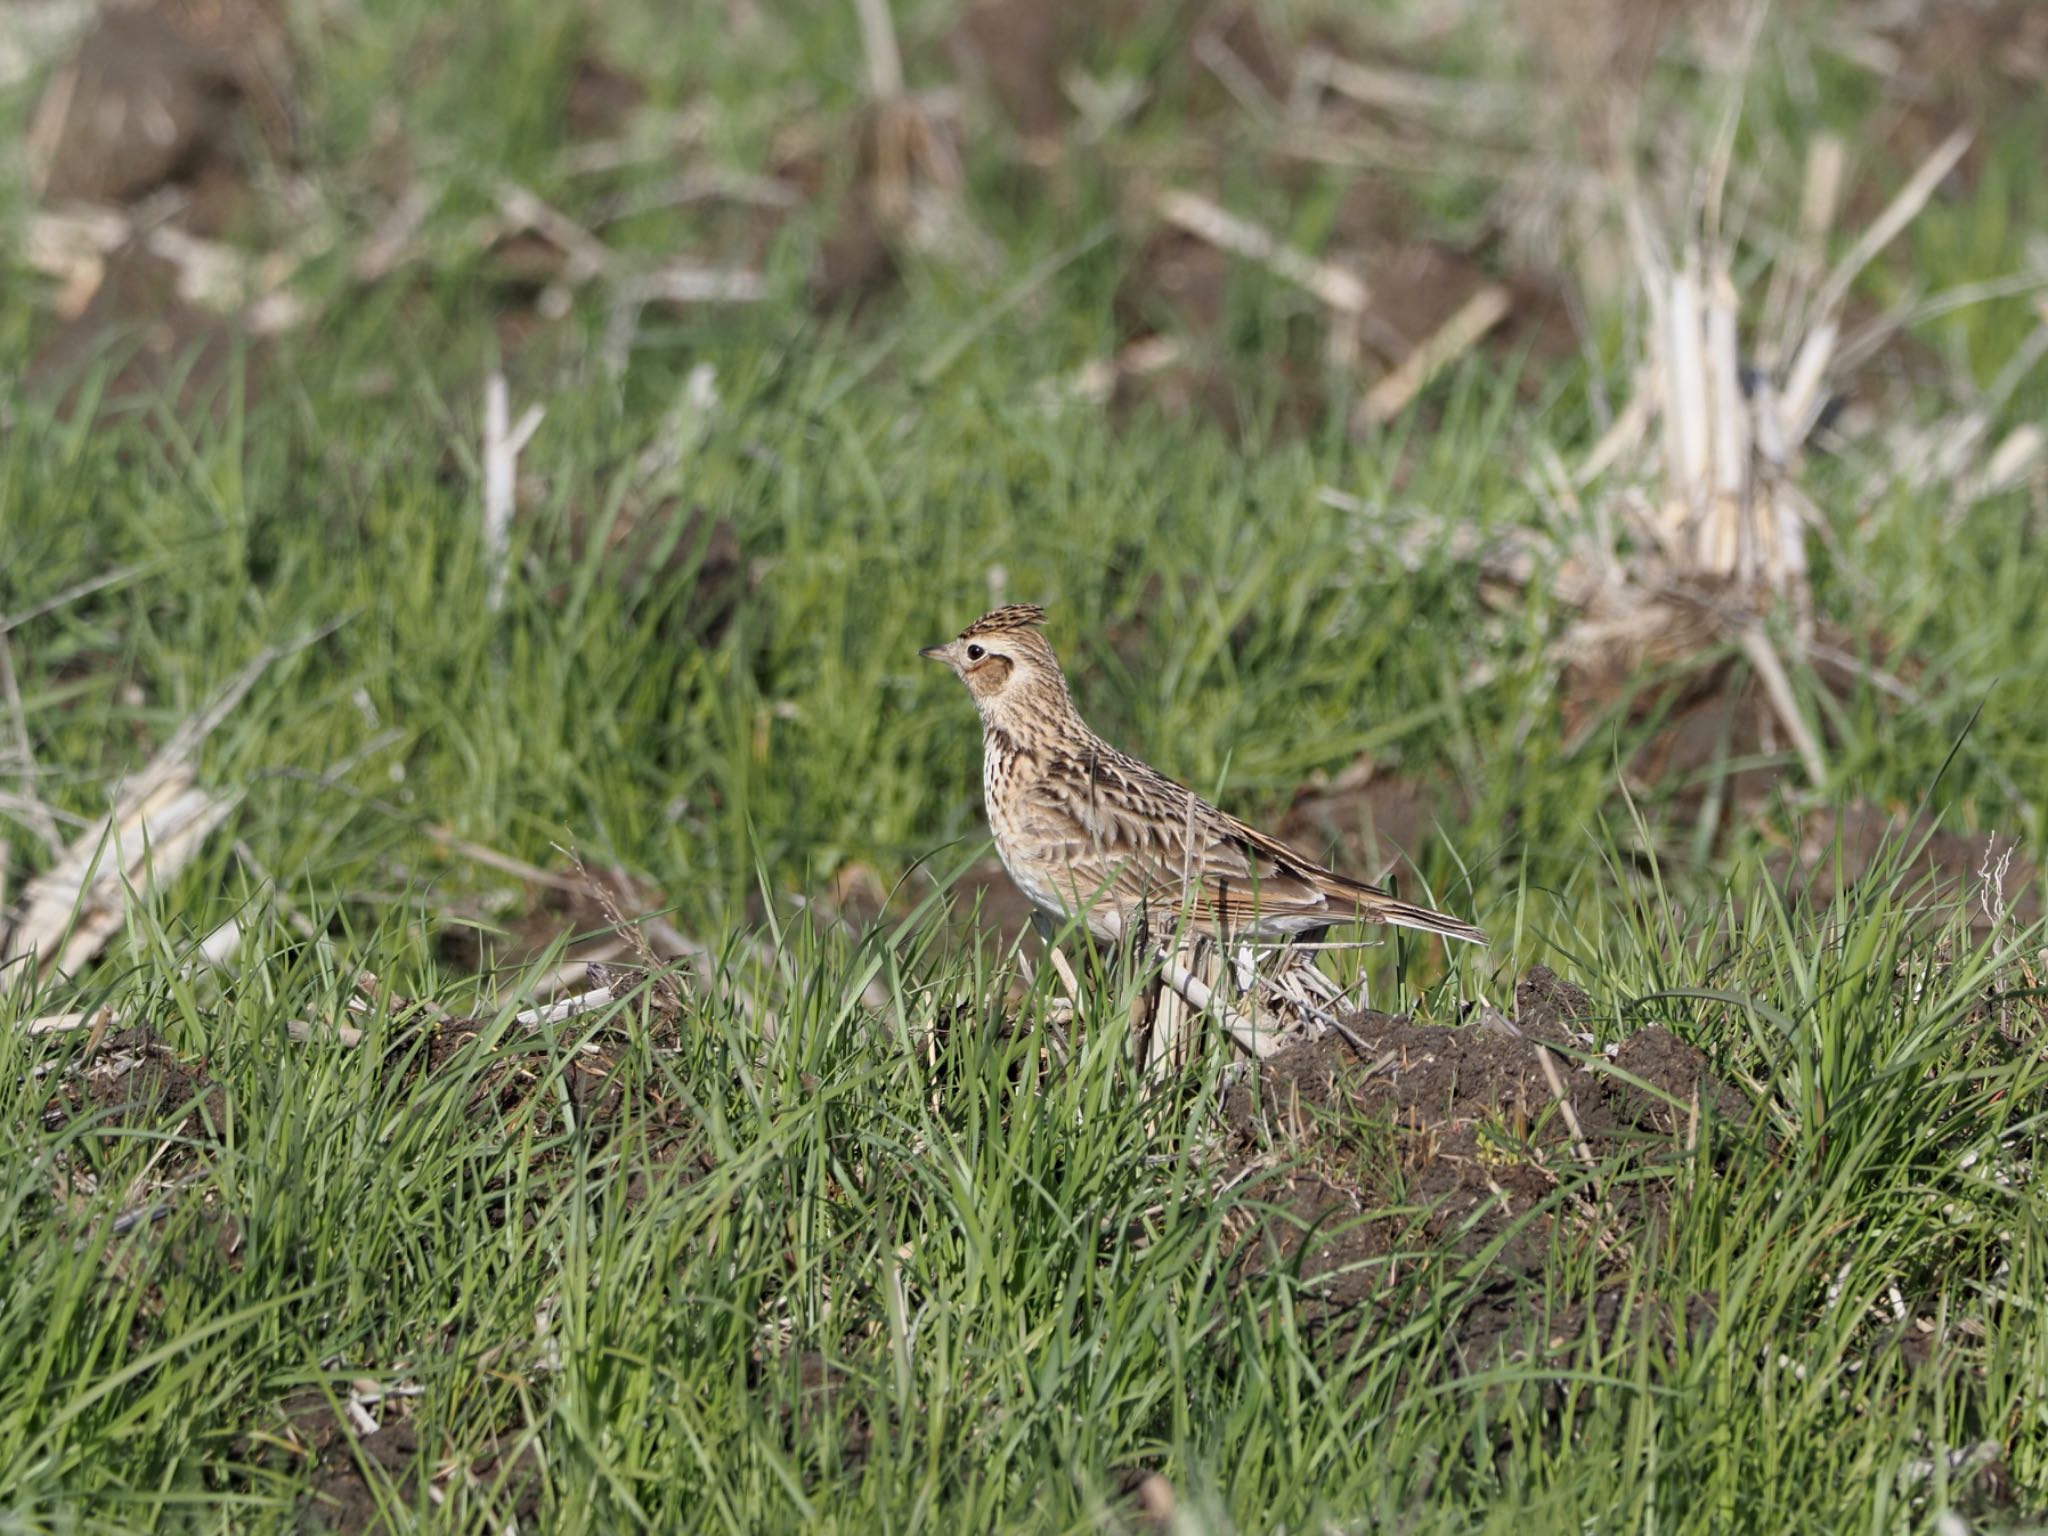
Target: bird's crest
(1003, 620)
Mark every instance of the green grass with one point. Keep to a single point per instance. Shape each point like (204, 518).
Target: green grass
(1021, 1289)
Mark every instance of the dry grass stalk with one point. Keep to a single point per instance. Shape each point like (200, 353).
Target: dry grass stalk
(1464, 330)
(70, 911)
(917, 173)
(64, 1023)
(566, 1008)
(1095, 383)
(1401, 90)
(503, 863)
(523, 210)
(1563, 1099)
(1199, 995)
(1216, 55)
(305, 1032)
(503, 443)
(1335, 286)
(1700, 523)
(681, 283)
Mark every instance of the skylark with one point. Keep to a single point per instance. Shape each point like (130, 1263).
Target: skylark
(1085, 830)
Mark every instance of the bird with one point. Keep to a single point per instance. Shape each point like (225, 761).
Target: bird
(1088, 832)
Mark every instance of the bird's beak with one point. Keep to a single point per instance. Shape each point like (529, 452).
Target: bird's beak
(935, 652)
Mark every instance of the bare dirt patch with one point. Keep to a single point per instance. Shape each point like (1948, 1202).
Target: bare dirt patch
(132, 1079)
(1367, 822)
(1419, 1145)
(349, 1463)
(145, 149)
(166, 95)
(1948, 66)
(1837, 847)
(153, 345)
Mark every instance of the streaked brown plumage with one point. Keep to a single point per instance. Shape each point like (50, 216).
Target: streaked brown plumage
(1084, 828)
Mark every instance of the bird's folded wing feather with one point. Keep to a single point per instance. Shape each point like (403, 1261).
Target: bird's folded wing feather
(1129, 834)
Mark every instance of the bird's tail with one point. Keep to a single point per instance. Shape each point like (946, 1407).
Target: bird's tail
(1374, 905)
(1405, 914)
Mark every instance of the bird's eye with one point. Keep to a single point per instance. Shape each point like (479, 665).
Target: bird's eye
(975, 653)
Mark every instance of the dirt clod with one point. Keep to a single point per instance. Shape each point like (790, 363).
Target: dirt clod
(159, 95)
(1423, 1145)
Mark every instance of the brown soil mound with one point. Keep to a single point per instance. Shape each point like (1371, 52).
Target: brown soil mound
(1494, 1144)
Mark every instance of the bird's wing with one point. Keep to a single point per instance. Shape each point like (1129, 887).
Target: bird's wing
(1125, 833)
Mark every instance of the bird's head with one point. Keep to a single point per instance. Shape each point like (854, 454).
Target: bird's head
(1005, 662)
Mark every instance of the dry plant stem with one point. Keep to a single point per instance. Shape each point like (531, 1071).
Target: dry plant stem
(1222, 61)
(303, 1032)
(503, 443)
(1580, 1148)
(1341, 290)
(1095, 383)
(1464, 330)
(63, 1023)
(588, 255)
(1803, 394)
(683, 283)
(504, 863)
(70, 594)
(1400, 90)
(1257, 1042)
(394, 242)
(566, 1008)
(72, 909)
(1065, 972)
(878, 44)
(1904, 207)
(1793, 280)
(1770, 671)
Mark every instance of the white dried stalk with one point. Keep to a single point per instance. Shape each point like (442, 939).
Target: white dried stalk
(1793, 279)
(153, 830)
(2011, 462)
(1580, 1148)
(1095, 382)
(1258, 1042)
(64, 1023)
(566, 1008)
(1726, 551)
(1686, 405)
(1464, 330)
(1342, 290)
(503, 443)
(878, 43)
(587, 256)
(682, 283)
(1904, 207)
(304, 1032)
(1770, 671)
(395, 240)
(218, 948)
(71, 910)
(1223, 62)
(1402, 90)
